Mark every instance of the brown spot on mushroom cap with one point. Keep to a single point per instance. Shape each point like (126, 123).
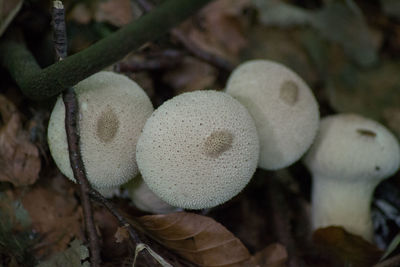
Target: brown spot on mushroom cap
(289, 92)
(217, 143)
(112, 112)
(283, 107)
(107, 125)
(366, 132)
(202, 153)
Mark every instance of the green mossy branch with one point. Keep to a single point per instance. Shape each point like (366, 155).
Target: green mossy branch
(40, 84)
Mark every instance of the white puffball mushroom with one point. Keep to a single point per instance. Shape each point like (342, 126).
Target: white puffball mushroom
(348, 159)
(144, 199)
(198, 149)
(112, 112)
(283, 107)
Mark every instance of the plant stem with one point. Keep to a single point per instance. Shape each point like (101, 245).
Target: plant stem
(40, 84)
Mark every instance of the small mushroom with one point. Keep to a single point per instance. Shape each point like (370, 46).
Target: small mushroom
(283, 107)
(144, 199)
(198, 149)
(112, 113)
(349, 158)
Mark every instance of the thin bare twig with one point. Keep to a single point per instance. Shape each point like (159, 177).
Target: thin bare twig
(95, 195)
(71, 123)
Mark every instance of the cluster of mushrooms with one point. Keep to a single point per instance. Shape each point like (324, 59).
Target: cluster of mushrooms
(200, 149)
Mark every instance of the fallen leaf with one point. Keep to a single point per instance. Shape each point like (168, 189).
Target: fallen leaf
(80, 13)
(365, 91)
(336, 21)
(192, 74)
(70, 257)
(344, 248)
(16, 237)
(116, 12)
(275, 255)
(226, 40)
(55, 215)
(8, 10)
(121, 234)
(19, 158)
(196, 238)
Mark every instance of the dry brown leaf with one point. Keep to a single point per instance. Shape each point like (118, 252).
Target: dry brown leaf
(121, 234)
(19, 158)
(274, 255)
(196, 238)
(116, 12)
(80, 13)
(228, 38)
(191, 75)
(55, 215)
(344, 248)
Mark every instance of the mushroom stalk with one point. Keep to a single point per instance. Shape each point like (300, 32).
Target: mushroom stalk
(344, 204)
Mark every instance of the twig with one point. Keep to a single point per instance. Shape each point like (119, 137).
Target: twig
(192, 47)
(391, 262)
(40, 84)
(71, 124)
(71, 112)
(95, 195)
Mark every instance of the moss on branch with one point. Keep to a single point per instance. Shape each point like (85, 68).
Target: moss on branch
(40, 84)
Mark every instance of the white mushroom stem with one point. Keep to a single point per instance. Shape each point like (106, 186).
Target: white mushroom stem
(341, 203)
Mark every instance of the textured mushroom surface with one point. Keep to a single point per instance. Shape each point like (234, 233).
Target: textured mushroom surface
(283, 107)
(198, 149)
(112, 113)
(348, 159)
(144, 199)
(351, 147)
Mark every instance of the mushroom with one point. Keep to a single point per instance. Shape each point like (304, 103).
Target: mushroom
(112, 113)
(283, 107)
(349, 157)
(198, 149)
(144, 199)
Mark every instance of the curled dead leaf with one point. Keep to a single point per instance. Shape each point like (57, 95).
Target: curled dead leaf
(116, 12)
(121, 234)
(345, 248)
(196, 238)
(19, 158)
(55, 215)
(274, 255)
(226, 40)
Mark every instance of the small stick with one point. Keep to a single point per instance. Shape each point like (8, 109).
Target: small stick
(71, 123)
(95, 195)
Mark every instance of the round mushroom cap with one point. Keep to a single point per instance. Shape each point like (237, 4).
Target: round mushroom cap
(198, 149)
(351, 147)
(112, 112)
(283, 107)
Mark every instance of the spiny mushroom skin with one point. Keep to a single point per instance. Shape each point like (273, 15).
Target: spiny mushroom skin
(112, 112)
(198, 149)
(349, 157)
(283, 107)
(144, 199)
